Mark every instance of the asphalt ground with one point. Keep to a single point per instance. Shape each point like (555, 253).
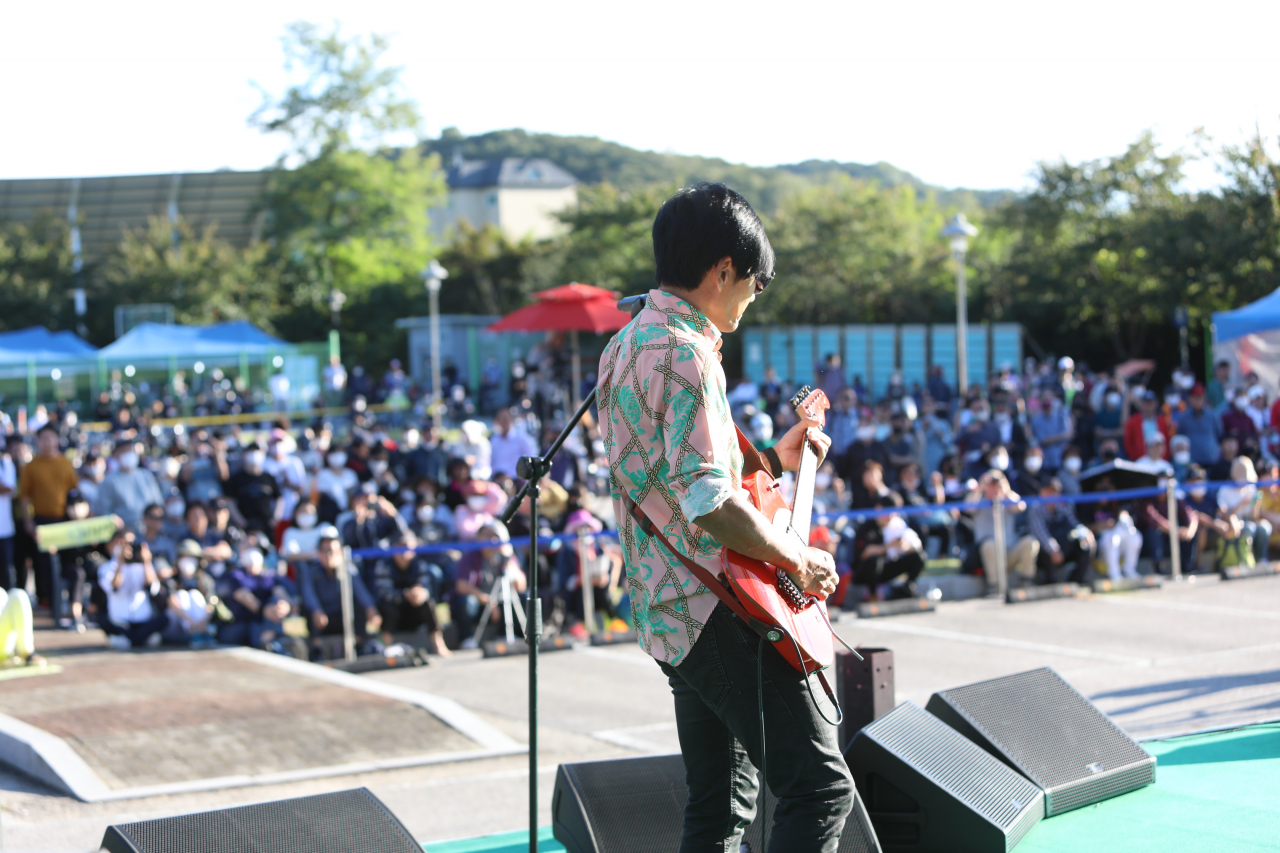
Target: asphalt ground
(1187, 657)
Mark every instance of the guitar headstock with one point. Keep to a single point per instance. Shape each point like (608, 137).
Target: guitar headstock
(811, 403)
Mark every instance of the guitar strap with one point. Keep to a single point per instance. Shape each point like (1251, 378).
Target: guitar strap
(772, 633)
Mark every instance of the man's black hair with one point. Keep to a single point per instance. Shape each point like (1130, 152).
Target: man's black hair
(48, 428)
(701, 224)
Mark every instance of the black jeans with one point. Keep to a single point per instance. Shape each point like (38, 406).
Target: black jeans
(718, 720)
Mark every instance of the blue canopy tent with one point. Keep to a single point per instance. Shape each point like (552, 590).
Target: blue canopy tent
(147, 341)
(42, 346)
(237, 343)
(1249, 339)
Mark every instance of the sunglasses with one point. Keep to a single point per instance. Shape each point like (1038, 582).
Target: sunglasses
(762, 281)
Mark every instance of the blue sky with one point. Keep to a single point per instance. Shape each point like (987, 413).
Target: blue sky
(960, 94)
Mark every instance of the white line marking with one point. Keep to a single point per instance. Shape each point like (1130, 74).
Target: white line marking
(626, 737)
(1002, 642)
(1005, 642)
(1190, 608)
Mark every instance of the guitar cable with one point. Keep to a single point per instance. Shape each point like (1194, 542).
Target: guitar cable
(764, 759)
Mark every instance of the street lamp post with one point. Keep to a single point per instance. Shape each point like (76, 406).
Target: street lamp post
(434, 275)
(958, 231)
(336, 300)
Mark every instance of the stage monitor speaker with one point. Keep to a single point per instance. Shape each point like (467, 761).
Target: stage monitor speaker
(929, 789)
(344, 822)
(636, 805)
(865, 689)
(1042, 727)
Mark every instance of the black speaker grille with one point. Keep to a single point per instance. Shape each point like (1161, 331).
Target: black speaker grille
(1055, 736)
(633, 805)
(636, 805)
(344, 822)
(960, 767)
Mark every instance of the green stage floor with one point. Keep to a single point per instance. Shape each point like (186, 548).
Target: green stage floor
(1214, 793)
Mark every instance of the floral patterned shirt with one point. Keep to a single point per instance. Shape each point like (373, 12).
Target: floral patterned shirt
(672, 447)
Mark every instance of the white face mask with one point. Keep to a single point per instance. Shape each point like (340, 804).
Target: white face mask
(128, 460)
(1000, 462)
(337, 460)
(1114, 400)
(306, 520)
(822, 481)
(187, 566)
(1182, 457)
(172, 467)
(866, 433)
(1240, 403)
(174, 509)
(377, 467)
(1197, 494)
(1034, 464)
(477, 503)
(1072, 464)
(425, 514)
(982, 416)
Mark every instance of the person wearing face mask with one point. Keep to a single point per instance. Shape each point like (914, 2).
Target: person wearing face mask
(380, 473)
(1153, 460)
(1151, 515)
(1201, 427)
(254, 490)
(1069, 475)
(334, 484)
(484, 501)
(1235, 420)
(407, 587)
(915, 492)
(1028, 479)
(860, 454)
(128, 491)
(291, 475)
(1053, 430)
(93, 470)
(1108, 422)
(1067, 547)
(829, 494)
(206, 468)
(1180, 456)
(298, 544)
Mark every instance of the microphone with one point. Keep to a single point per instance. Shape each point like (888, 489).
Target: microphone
(632, 304)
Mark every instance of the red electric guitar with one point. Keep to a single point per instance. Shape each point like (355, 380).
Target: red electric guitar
(767, 592)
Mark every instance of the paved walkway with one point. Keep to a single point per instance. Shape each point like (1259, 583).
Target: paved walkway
(1159, 661)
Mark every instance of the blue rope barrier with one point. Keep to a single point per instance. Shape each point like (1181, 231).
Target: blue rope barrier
(829, 518)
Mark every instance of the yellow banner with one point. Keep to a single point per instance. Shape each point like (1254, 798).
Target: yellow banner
(75, 534)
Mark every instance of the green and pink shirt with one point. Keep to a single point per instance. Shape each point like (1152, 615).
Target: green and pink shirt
(672, 446)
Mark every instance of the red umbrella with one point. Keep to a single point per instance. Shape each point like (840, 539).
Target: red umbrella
(568, 308)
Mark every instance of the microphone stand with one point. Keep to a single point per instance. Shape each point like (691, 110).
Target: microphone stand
(532, 469)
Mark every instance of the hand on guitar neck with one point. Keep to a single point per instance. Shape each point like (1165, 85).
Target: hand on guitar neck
(740, 526)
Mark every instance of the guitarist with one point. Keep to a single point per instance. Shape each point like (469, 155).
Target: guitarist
(672, 446)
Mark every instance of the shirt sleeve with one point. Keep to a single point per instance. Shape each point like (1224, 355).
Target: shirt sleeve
(700, 440)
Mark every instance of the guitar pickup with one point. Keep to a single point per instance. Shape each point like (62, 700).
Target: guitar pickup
(795, 599)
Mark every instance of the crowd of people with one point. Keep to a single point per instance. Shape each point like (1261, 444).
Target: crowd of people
(241, 534)
(1028, 437)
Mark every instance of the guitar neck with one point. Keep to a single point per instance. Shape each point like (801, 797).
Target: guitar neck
(802, 502)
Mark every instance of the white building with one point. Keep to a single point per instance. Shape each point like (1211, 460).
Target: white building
(520, 196)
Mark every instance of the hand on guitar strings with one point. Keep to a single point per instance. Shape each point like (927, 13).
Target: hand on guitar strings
(790, 445)
(816, 572)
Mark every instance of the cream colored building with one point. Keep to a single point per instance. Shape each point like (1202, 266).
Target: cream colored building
(520, 196)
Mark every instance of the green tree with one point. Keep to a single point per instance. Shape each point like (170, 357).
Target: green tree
(352, 214)
(856, 252)
(205, 278)
(36, 273)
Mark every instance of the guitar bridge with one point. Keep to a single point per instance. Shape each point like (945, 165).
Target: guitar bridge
(796, 599)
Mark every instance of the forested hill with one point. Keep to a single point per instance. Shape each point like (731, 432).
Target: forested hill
(593, 160)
